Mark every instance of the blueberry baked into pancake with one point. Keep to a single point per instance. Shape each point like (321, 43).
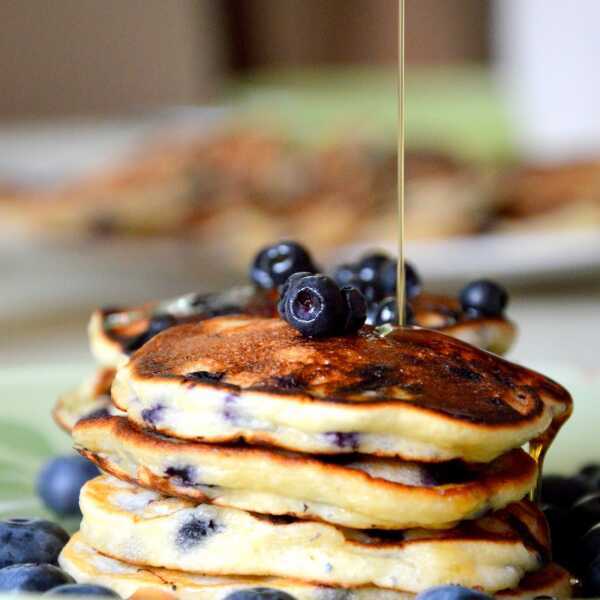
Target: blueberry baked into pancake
(476, 316)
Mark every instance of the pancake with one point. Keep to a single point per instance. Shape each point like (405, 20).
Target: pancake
(142, 527)
(87, 565)
(415, 393)
(356, 491)
(113, 331)
(91, 398)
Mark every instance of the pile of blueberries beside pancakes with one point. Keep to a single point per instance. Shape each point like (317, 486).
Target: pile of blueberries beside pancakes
(289, 439)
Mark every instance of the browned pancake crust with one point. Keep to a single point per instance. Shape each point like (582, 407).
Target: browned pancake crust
(508, 470)
(413, 368)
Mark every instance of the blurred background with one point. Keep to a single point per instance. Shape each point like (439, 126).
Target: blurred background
(149, 148)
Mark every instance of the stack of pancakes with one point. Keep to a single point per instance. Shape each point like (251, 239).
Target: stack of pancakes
(372, 465)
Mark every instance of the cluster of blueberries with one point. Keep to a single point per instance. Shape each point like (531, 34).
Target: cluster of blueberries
(572, 508)
(319, 305)
(29, 548)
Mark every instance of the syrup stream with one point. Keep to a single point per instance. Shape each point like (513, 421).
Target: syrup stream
(401, 284)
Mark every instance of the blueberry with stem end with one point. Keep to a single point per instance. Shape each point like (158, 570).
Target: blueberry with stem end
(314, 305)
(274, 264)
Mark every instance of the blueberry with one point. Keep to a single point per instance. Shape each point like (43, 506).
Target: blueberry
(157, 323)
(60, 481)
(591, 474)
(585, 513)
(259, 593)
(314, 305)
(562, 491)
(591, 579)
(561, 534)
(274, 264)
(387, 313)
(388, 278)
(370, 265)
(30, 541)
(82, 589)
(346, 274)
(32, 577)
(483, 298)
(356, 307)
(452, 592)
(588, 547)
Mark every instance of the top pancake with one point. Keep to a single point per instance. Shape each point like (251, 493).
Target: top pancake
(415, 384)
(113, 331)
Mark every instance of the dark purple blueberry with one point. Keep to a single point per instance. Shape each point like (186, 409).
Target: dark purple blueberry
(452, 592)
(344, 439)
(386, 313)
(561, 534)
(153, 415)
(30, 541)
(591, 579)
(156, 325)
(194, 531)
(562, 491)
(389, 276)
(370, 265)
(314, 305)
(259, 593)
(585, 513)
(588, 547)
(60, 481)
(356, 307)
(182, 475)
(274, 264)
(483, 298)
(32, 577)
(82, 589)
(346, 274)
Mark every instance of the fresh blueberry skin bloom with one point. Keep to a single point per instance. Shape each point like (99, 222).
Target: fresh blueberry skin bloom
(30, 541)
(82, 589)
(314, 305)
(60, 481)
(452, 592)
(483, 298)
(356, 307)
(562, 491)
(32, 577)
(274, 264)
(370, 265)
(259, 593)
